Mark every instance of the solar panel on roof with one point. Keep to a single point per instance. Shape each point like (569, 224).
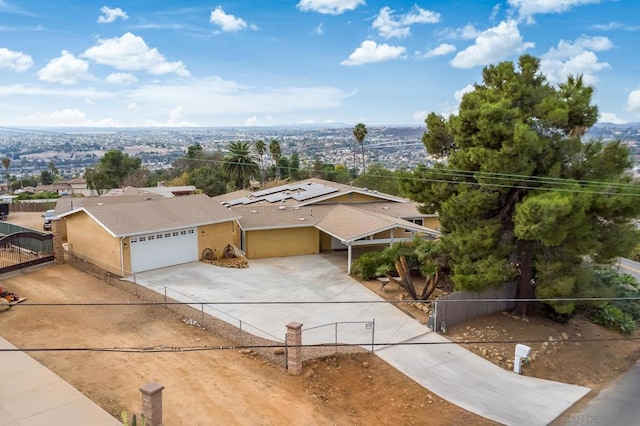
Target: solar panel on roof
(314, 192)
(277, 197)
(237, 201)
(271, 190)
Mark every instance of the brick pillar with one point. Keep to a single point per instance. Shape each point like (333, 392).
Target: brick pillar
(294, 354)
(58, 251)
(152, 404)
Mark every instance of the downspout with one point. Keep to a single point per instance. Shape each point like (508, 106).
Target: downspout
(122, 256)
(349, 247)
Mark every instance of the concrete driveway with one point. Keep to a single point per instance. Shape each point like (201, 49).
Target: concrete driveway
(444, 368)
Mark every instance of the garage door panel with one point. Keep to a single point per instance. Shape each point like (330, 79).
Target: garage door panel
(162, 249)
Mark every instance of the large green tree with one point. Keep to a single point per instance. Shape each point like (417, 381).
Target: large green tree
(519, 195)
(111, 171)
(239, 164)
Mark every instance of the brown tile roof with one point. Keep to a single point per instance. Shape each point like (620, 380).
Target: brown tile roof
(154, 215)
(65, 204)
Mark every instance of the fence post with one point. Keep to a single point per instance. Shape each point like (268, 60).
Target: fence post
(294, 354)
(165, 296)
(202, 314)
(152, 403)
(336, 337)
(241, 334)
(373, 335)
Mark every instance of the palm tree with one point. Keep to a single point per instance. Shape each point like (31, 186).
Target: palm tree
(359, 132)
(239, 164)
(261, 148)
(276, 152)
(6, 163)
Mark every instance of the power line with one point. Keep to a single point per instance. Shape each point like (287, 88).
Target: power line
(326, 302)
(184, 349)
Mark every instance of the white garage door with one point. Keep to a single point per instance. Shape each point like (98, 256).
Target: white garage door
(153, 251)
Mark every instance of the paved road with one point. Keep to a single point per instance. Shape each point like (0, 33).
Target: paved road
(617, 405)
(630, 267)
(445, 368)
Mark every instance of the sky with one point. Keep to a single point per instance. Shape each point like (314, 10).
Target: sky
(137, 63)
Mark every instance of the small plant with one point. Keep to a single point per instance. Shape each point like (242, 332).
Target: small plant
(134, 420)
(365, 267)
(614, 318)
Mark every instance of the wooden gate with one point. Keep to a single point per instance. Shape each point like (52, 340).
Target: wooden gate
(24, 249)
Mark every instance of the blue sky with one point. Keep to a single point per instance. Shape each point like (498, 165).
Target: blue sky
(241, 62)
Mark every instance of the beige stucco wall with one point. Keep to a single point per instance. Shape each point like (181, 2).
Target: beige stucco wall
(216, 236)
(93, 243)
(431, 223)
(282, 242)
(325, 241)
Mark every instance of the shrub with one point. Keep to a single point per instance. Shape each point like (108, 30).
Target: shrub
(365, 266)
(614, 318)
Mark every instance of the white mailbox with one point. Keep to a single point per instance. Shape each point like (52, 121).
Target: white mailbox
(522, 352)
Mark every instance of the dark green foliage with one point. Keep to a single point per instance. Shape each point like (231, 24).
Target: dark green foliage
(614, 318)
(366, 266)
(111, 171)
(46, 177)
(38, 196)
(239, 164)
(380, 179)
(520, 196)
(209, 180)
(620, 286)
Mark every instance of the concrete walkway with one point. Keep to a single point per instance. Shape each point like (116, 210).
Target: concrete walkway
(444, 368)
(32, 395)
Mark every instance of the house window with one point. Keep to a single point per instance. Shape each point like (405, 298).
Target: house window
(159, 236)
(416, 221)
(151, 237)
(191, 231)
(143, 239)
(175, 234)
(167, 235)
(133, 240)
(183, 232)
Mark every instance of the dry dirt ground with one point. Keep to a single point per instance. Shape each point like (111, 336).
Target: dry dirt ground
(27, 219)
(206, 387)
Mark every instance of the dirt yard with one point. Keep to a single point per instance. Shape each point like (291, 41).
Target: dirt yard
(31, 220)
(206, 387)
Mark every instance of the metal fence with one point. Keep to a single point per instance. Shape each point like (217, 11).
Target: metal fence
(10, 228)
(338, 337)
(460, 306)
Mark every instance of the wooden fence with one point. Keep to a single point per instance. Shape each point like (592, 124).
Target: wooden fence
(32, 207)
(460, 306)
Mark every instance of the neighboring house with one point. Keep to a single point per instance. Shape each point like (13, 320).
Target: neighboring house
(315, 215)
(60, 188)
(78, 186)
(125, 235)
(163, 191)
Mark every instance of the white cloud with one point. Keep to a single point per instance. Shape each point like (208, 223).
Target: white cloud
(109, 15)
(16, 61)
(458, 94)
(133, 106)
(527, 8)
(613, 26)
(441, 50)
(389, 26)
(71, 118)
(318, 30)
(227, 22)
(633, 101)
(492, 45)
(609, 117)
(468, 32)
(420, 116)
(130, 53)
(370, 52)
(65, 69)
(329, 7)
(575, 58)
(121, 78)
(255, 121)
